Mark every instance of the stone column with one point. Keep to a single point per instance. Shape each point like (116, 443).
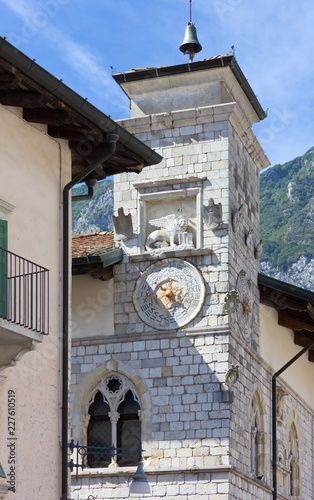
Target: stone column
(114, 417)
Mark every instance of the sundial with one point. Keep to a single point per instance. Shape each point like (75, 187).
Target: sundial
(169, 295)
(245, 305)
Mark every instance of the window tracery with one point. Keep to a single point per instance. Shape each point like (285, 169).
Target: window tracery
(257, 436)
(114, 422)
(294, 467)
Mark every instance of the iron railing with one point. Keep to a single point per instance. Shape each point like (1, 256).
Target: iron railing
(83, 452)
(24, 292)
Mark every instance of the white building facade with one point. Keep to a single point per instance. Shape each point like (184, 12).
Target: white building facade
(49, 135)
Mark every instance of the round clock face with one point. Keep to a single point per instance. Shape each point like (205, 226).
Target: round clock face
(169, 294)
(245, 305)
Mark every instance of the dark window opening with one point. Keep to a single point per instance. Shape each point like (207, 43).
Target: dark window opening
(129, 430)
(99, 432)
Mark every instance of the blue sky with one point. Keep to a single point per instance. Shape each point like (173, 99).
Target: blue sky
(78, 41)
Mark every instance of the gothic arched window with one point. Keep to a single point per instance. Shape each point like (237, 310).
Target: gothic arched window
(257, 436)
(294, 468)
(129, 429)
(99, 431)
(114, 421)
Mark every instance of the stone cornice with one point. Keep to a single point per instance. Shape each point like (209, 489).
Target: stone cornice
(114, 339)
(4, 488)
(168, 181)
(5, 208)
(194, 252)
(127, 471)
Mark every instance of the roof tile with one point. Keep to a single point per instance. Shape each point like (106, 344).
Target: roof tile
(92, 243)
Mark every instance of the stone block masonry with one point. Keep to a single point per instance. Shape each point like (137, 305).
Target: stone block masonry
(205, 437)
(188, 433)
(181, 375)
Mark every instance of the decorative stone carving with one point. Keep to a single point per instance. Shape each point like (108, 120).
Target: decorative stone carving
(281, 453)
(231, 302)
(249, 238)
(213, 214)
(226, 395)
(113, 385)
(171, 235)
(114, 416)
(85, 421)
(10, 354)
(236, 218)
(5, 208)
(245, 305)
(144, 415)
(169, 295)
(123, 225)
(281, 393)
(258, 250)
(232, 376)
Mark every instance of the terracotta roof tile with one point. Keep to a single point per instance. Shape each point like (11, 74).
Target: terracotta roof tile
(92, 243)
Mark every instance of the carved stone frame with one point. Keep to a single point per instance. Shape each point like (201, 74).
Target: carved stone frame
(174, 194)
(88, 387)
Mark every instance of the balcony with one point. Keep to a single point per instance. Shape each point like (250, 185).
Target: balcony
(24, 306)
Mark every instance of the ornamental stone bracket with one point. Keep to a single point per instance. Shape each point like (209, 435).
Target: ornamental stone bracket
(213, 215)
(4, 488)
(123, 225)
(15, 341)
(5, 208)
(281, 393)
(226, 394)
(236, 218)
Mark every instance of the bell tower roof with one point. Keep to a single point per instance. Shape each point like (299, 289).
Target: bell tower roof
(211, 81)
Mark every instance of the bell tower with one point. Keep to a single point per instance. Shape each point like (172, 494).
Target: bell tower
(199, 116)
(187, 285)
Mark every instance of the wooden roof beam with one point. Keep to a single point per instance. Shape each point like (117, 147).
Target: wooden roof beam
(311, 355)
(8, 79)
(70, 133)
(45, 115)
(287, 320)
(21, 98)
(302, 340)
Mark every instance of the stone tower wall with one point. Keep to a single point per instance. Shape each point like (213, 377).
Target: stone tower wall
(196, 430)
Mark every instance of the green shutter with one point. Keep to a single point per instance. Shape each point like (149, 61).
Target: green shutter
(2, 473)
(3, 267)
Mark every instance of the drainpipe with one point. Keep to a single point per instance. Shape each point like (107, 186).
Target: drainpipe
(113, 138)
(90, 183)
(274, 412)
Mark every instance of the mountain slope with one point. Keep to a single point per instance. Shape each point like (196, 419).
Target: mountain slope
(93, 215)
(286, 222)
(287, 212)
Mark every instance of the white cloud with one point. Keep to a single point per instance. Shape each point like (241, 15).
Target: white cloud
(21, 8)
(37, 18)
(273, 42)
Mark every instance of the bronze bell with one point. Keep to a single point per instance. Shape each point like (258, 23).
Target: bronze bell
(190, 44)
